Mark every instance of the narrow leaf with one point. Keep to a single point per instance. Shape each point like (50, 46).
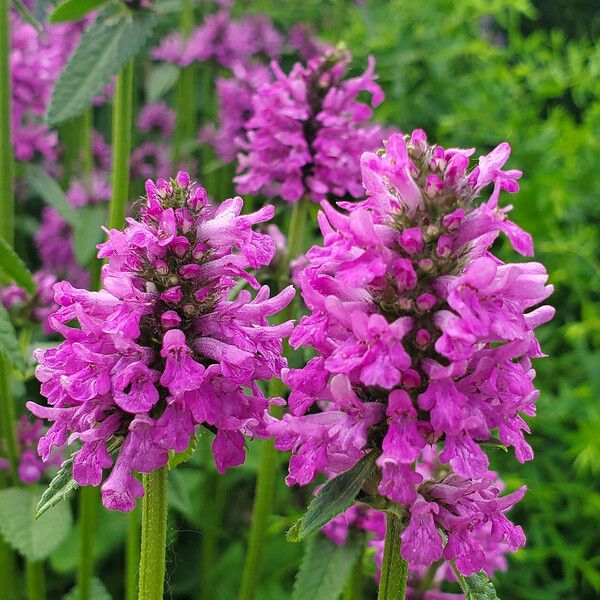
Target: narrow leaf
(26, 14)
(9, 344)
(115, 37)
(15, 268)
(72, 10)
(333, 498)
(45, 186)
(87, 233)
(60, 487)
(326, 568)
(477, 586)
(33, 538)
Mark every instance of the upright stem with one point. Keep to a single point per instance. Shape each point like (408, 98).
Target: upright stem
(154, 535)
(88, 511)
(394, 569)
(121, 145)
(36, 580)
(132, 554)
(6, 151)
(265, 482)
(185, 120)
(8, 418)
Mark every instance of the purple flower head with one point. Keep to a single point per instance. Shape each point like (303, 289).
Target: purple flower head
(308, 130)
(157, 118)
(434, 336)
(163, 347)
(421, 541)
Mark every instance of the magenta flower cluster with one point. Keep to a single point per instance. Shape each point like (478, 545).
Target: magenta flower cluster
(163, 346)
(423, 337)
(225, 41)
(308, 130)
(373, 522)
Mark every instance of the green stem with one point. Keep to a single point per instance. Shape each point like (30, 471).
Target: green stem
(265, 482)
(132, 554)
(154, 535)
(8, 418)
(7, 206)
(185, 123)
(213, 516)
(394, 569)
(88, 511)
(264, 495)
(121, 145)
(354, 589)
(36, 580)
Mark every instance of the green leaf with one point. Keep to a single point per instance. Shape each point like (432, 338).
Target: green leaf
(88, 232)
(116, 36)
(15, 268)
(333, 498)
(72, 10)
(9, 344)
(60, 487)
(26, 14)
(176, 458)
(45, 186)
(160, 80)
(179, 495)
(477, 586)
(98, 592)
(34, 538)
(326, 568)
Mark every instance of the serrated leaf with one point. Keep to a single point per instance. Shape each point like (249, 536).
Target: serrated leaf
(26, 14)
(160, 80)
(34, 538)
(14, 267)
(477, 586)
(59, 488)
(333, 498)
(45, 186)
(176, 458)
(72, 10)
(326, 568)
(88, 232)
(9, 344)
(115, 37)
(98, 592)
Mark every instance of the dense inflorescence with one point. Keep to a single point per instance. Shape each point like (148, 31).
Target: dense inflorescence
(308, 130)
(162, 347)
(373, 522)
(423, 337)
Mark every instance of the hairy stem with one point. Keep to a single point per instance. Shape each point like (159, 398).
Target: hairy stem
(154, 535)
(121, 145)
(394, 569)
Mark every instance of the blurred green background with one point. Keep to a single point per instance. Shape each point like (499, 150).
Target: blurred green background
(471, 73)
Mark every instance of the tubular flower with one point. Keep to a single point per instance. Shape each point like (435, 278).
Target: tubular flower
(490, 550)
(423, 337)
(162, 347)
(308, 130)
